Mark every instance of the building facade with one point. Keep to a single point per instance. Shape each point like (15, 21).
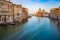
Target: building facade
(17, 12)
(5, 11)
(24, 13)
(10, 12)
(55, 13)
(41, 13)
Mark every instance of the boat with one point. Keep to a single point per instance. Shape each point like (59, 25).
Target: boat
(3, 24)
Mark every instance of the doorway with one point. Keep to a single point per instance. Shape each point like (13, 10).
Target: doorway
(4, 19)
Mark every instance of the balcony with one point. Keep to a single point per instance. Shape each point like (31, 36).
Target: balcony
(4, 12)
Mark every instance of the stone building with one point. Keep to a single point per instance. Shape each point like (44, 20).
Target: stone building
(24, 13)
(41, 13)
(55, 13)
(6, 12)
(10, 12)
(17, 12)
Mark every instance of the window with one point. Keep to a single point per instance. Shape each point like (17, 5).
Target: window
(2, 3)
(18, 14)
(4, 11)
(0, 17)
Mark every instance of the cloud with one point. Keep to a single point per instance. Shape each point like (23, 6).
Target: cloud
(34, 5)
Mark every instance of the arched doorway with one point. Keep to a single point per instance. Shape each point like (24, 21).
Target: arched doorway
(4, 19)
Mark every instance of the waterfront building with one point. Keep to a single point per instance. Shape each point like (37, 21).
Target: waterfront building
(41, 13)
(55, 13)
(10, 12)
(24, 13)
(6, 12)
(46, 14)
(17, 12)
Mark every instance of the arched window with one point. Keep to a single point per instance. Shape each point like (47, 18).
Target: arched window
(18, 14)
(0, 17)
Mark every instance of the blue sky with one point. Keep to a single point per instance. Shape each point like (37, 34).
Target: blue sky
(34, 5)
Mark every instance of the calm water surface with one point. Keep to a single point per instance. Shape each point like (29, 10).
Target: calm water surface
(36, 28)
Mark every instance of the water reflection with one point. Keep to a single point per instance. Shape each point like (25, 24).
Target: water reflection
(58, 26)
(56, 22)
(9, 30)
(32, 29)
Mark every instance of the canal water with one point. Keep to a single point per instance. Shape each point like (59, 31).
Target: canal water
(35, 28)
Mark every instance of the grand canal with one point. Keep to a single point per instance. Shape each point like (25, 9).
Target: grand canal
(36, 28)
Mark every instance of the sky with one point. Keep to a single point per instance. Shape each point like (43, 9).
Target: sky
(34, 5)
